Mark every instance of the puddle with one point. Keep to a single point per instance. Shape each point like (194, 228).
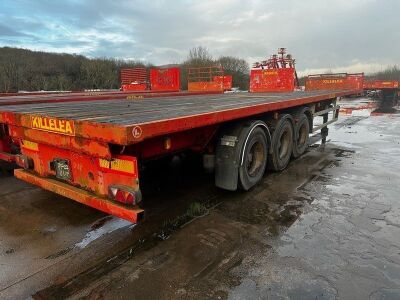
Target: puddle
(109, 225)
(368, 108)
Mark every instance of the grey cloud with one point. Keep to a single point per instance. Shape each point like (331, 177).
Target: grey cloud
(320, 34)
(6, 31)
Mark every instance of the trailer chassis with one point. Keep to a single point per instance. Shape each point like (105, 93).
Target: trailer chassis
(106, 177)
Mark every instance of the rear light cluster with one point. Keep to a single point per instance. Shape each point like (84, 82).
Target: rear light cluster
(125, 195)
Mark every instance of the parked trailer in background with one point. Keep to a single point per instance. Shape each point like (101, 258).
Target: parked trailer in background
(154, 79)
(134, 79)
(388, 90)
(226, 81)
(91, 152)
(272, 80)
(206, 79)
(33, 93)
(344, 81)
(380, 84)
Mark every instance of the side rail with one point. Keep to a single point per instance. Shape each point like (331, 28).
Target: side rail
(330, 114)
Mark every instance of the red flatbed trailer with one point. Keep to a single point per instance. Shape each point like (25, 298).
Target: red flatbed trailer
(32, 93)
(389, 90)
(335, 81)
(90, 152)
(380, 84)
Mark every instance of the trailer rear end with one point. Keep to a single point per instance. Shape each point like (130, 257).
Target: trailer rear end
(92, 152)
(9, 148)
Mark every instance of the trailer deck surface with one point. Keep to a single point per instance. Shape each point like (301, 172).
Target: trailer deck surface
(90, 96)
(116, 120)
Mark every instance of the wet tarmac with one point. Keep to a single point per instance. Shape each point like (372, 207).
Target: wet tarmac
(327, 227)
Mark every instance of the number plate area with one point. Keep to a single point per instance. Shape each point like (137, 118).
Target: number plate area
(61, 166)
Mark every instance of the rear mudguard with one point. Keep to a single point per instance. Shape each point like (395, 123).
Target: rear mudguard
(229, 152)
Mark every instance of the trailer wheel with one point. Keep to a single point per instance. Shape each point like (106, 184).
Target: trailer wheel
(254, 159)
(302, 130)
(282, 144)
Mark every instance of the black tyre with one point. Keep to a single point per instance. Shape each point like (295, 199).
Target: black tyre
(302, 132)
(254, 159)
(282, 145)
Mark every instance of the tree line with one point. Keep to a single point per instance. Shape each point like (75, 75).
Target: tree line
(26, 70)
(390, 73)
(201, 57)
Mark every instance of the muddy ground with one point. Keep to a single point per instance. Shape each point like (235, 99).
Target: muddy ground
(327, 227)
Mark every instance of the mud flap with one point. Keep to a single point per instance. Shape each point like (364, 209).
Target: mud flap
(229, 153)
(227, 161)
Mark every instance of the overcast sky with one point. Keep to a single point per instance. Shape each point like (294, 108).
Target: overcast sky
(339, 35)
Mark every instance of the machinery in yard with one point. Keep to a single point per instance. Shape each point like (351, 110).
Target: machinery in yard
(91, 152)
(276, 74)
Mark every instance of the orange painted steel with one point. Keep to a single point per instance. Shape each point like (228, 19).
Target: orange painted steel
(95, 96)
(156, 79)
(226, 81)
(132, 214)
(139, 129)
(34, 93)
(134, 79)
(134, 87)
(272, 80)
(5, 141)
(275, 74)
(165, 79)
(380, 84)
(337, 81)
(205, 86)
(7, 157)
(133, 75)
(112, 132)
(205, 79)
(6, 153)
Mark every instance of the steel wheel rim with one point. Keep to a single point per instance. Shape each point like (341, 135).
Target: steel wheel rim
(302, 135)
(284, 143)
(255, 158)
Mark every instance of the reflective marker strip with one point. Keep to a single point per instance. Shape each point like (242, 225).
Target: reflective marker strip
(120, 165)
(30, 145)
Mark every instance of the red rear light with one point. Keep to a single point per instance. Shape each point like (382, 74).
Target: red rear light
(124, 195)
(130, 198)
(120, 196)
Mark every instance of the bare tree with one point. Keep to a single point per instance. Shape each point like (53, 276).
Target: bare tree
(200, 54)
(9, 75)
(238, 68)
